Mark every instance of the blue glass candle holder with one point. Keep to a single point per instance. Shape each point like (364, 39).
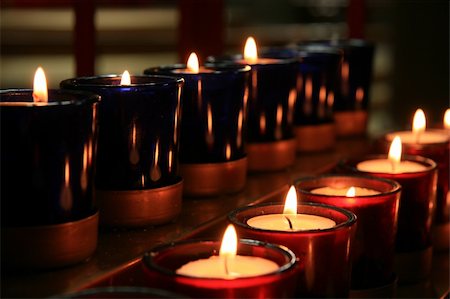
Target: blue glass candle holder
(137, 180)
(271, 93)
(316, 87)
(213, 158)
(47, 158)
(352, 96)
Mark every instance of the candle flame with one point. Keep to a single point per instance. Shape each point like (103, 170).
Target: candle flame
(290, 206)
(40, 92)
(447, 119)
(126, 80)
(250, 50)
(351, 192)
(419, 123)
(395, 152)
(192, 63)
(228, 248)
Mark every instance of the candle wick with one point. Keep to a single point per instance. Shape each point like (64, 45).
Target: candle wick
(290, 223)
(393, 165)
(227, 272)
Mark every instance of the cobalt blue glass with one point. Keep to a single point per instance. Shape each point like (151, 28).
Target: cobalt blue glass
(316, 81)
(138, 138)
(47, 155)
(213, 109)
(271, 144)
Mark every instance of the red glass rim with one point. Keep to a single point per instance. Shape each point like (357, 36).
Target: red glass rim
(428, 163)
(366, 181)
(290, 259)
(350, 217)
(23, 97)
(113, 81)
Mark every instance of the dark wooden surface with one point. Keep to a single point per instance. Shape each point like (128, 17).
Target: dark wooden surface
(200, 217)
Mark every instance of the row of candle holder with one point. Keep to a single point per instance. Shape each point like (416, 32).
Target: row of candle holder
(360, 230)
(235, 118)
(51, 148)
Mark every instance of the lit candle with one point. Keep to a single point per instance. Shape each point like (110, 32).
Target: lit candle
(447, 119)
(419, 134)
(375, 202)
(126, 79)
(349, 192)
(290, 220)
(228, 265)
(393, 164)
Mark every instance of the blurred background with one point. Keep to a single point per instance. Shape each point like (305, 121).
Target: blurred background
(86, 37)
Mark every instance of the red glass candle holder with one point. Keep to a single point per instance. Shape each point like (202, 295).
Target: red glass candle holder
(439, 153)
(326, 253)
(162, 262)
(417, 201)
(374, 245)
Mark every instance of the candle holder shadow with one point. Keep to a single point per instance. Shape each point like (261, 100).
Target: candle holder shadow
(417, 203)
(137, 181)
(326, 253)
(161, 263)
(47, 152)
(374, 245)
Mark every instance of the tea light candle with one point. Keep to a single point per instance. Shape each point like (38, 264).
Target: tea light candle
(290, 220)
(349, 192)
(327, 227)
(393, 164)
(433, 144)
(242, 269)
(375, 202)
(419, 134)
(213, 159)
(228, 265)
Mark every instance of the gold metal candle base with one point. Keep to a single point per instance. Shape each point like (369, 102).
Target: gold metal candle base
(350, 123)
(413, 267)
(441, 236)
(50, 246)
(271, 156)
(315, 137)
(138, 208)
(211, 179)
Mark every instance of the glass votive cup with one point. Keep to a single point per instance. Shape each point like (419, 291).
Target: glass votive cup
(326, 253)
(352, 98)
(415, 217)
(161, 264)
(213, 158)
(47, 182)
(438, 151)
(374, 244)
(137, 181)
(271, 96)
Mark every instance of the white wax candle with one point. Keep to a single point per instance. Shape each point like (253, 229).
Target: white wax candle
(299, 222)
(426, 137)
(385, 166)
(235, 267)
(359, 191)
